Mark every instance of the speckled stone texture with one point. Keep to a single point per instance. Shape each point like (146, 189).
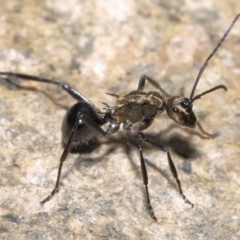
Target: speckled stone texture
(105, 46)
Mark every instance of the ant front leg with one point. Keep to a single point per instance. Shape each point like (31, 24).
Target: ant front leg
(209, 135)
(127, 131)
(170, 162)
(155, 84)
(93, 126)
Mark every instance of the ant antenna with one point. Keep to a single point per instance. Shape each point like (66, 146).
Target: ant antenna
(208, 91)
(112, 94)
(206, 63)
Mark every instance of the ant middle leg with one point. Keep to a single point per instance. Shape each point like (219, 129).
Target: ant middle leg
(134, 142)
(155, 84)
(161, 147)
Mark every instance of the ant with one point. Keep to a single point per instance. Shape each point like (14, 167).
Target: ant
(83, 121)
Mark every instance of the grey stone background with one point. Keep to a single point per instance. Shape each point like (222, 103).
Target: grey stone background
(104, 46)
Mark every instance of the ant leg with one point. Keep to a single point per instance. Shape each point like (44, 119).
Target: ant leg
(70, 90)
(209, 135)
(127, 131)
(170, 162)
(142, 80)
(145, 182)
(90, 123)
(62, 159)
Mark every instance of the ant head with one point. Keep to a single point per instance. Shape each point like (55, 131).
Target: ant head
(179, 109)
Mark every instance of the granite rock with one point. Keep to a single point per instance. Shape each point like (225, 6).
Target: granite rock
(105, 46)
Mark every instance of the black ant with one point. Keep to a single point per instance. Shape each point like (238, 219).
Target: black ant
(82, 123)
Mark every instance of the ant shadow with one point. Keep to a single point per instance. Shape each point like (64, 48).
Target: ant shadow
(176, 143)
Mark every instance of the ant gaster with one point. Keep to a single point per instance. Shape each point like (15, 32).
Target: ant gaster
(82, 122)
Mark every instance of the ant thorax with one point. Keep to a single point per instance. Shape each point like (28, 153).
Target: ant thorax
(136, 105)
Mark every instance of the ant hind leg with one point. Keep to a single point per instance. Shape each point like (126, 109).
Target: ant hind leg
(67, 149)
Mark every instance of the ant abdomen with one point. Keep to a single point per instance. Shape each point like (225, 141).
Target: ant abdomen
(85, 138)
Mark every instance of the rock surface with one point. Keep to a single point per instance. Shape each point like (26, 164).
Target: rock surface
(105, 46)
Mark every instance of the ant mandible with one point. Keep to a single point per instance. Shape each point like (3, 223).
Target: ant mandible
(83, 121)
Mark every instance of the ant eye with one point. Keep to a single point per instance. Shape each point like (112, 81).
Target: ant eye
(175, 109)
